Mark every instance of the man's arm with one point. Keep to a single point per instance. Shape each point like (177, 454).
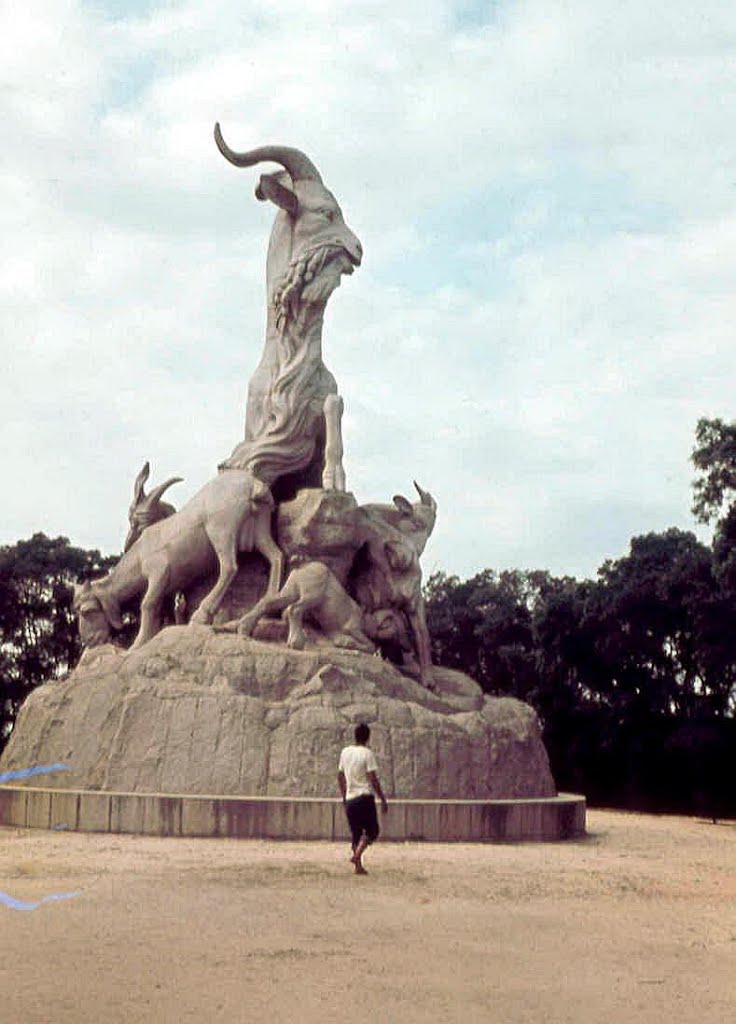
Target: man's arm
(342, 784)
(373, 779)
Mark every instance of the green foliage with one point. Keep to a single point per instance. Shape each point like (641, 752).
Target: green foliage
(656, 615)
(714, 457)
(616, 667)
(38, 631)
(483, 627)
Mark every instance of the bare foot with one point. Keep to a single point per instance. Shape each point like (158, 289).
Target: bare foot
(360, 870)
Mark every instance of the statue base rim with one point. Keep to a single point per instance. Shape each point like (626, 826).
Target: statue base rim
(529, 819)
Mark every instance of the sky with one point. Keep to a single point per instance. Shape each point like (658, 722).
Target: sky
(546, 196)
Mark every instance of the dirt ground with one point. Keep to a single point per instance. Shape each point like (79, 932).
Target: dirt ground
(635, 923)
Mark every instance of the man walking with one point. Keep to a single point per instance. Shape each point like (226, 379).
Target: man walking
(357, 777)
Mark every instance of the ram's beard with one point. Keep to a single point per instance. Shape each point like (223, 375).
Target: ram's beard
(310, 280)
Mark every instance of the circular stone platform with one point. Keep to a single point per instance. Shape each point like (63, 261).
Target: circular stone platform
(552, 818)
(197, 712)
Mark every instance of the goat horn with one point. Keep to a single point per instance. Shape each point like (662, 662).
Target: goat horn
(299, 166)
(140, 483)
(426, 497)
(156, 493)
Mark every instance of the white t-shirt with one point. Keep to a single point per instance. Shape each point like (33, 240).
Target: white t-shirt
(355, 763)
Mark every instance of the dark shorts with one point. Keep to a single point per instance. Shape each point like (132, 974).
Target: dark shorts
(362, 818)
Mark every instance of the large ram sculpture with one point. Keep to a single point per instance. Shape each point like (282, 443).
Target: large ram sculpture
(292, 423)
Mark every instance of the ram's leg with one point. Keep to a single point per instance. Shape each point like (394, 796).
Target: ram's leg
(266, 606)
(151, 607)
(294, 615)
(333, 475)
(264, 542)
(227, 556)
(418, 622)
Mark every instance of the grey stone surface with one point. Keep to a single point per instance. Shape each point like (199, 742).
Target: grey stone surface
(232, 512)
(373, 550)
(282, 817)
(193, 711)
(286, 473)
(535, 819)
(292, 424)
(198, 712)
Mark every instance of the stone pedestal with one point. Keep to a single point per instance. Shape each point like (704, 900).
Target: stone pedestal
(197, 712)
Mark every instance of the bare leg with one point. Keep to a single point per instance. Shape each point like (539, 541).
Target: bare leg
(357, 858)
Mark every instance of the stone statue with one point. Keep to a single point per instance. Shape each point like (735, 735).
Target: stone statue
(355, 574)
(390, 575)
(229, 514)
(228, 698)
(373, 552)
(312, 590)
(293, 414)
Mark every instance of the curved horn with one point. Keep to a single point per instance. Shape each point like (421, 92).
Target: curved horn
(299, 166)
(140, 482)
(156, 493)
(425, 496)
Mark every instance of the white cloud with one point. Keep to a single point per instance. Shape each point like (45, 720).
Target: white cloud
(547, 207)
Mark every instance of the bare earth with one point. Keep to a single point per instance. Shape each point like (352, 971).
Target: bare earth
(635, 923)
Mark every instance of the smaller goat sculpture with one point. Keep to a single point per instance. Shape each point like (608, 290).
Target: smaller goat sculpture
(313, 591)
(415, 522)
(391, 576)
(146, 509)
(231, 513)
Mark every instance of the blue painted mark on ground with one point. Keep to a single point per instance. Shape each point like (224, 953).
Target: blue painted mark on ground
(14, 904)
(39, 769)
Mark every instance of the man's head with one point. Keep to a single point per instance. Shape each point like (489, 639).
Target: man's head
(362, 734)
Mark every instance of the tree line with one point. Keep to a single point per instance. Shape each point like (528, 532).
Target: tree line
(633, 673)
(39, 640)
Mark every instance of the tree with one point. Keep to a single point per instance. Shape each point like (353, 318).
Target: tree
(655, 614)
(482, 626)
(38, 631)
(714, 457)
(714, 490)
(615, 667)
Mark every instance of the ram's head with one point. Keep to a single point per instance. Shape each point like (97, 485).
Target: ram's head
(94, 625)
(311, 245)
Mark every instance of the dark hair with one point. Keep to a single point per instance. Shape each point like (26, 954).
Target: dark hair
(362, 733)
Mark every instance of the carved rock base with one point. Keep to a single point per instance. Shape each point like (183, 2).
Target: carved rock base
(198, 712)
